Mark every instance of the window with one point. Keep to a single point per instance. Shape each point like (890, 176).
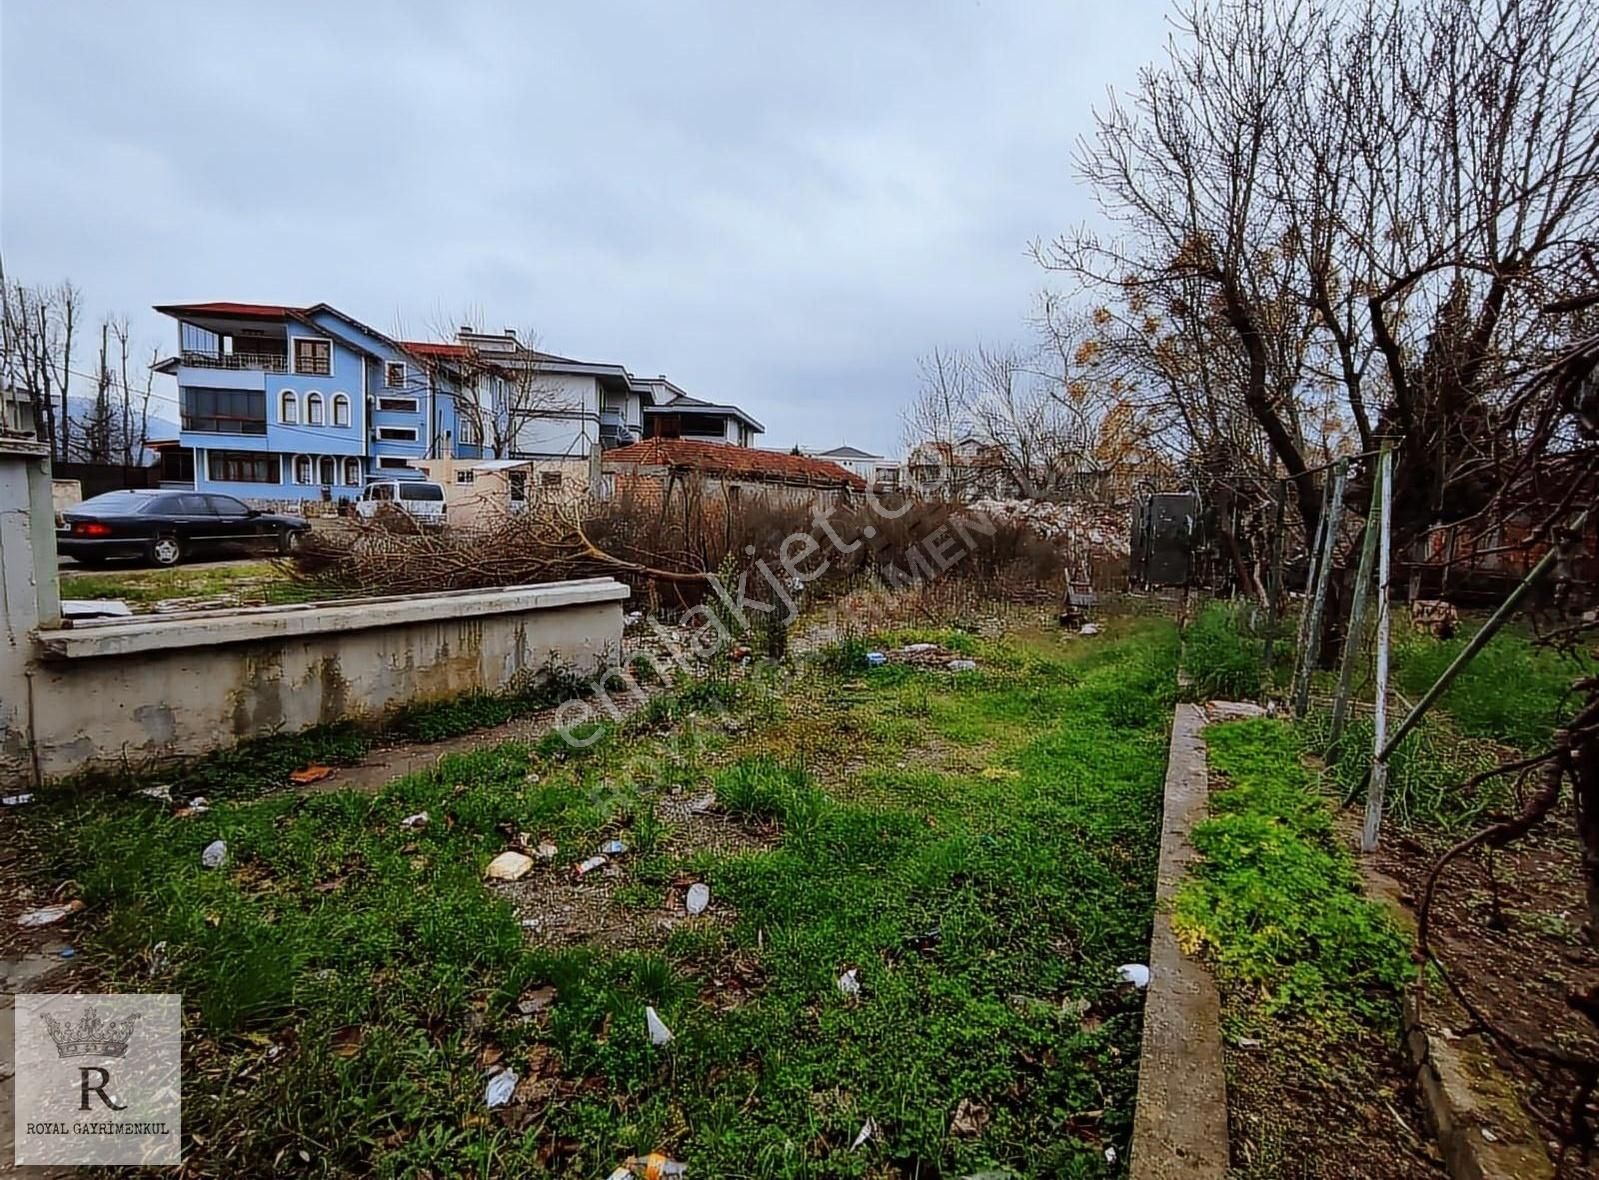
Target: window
(224, 411)
(352, 472)
(302, 469)
(398, 405)
(392, 463)
(328, 470)
(397, 433)
(430, 492)
(289, 411)
(518, 484)
(549, 479)
(394, 374)
(190, 506)
(313, 409)
(313, 357)
(242, 467)
(341, 410)
(378, 492)
(465, 476)
(227, 506)
(471, 436)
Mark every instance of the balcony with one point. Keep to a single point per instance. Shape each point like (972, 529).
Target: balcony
(267, 362)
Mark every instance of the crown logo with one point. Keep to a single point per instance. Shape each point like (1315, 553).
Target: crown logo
(93, 1036)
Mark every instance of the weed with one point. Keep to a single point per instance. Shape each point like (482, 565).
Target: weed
(1275, 903)
(1222, 660)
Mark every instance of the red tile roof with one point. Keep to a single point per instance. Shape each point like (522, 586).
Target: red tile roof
(433, 348)
(726, 459)
(264, 311)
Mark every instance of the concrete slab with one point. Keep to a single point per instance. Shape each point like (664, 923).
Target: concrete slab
(1180, 1127)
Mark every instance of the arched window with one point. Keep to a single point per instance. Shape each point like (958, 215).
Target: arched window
(330, 470)
(341, 410)
(313, 409)
(302, 469)
(352, 472)
(289, 411)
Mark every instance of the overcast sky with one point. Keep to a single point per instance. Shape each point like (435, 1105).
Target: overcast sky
(782, 211)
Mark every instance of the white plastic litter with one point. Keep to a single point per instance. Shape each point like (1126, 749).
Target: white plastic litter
(162, 794)
(876, 659)
(659, 1033)
(16, 800)
(419, 820)
(699, 896)
(49, 915)
(962, 665)
(509, 866)
(849, 983)
(868, 1129)
(912, 649)
(1134, 973)
(215, 854)
(500, 1088)
(545, 850)
(1089, 629)
(1110, 1156)
(613, 848)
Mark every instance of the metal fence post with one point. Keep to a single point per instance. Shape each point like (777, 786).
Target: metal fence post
(1357, 610)
(1274, 575)
(1379, 755)
(1312, 636)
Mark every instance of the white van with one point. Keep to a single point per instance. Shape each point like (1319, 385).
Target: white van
(415, 497)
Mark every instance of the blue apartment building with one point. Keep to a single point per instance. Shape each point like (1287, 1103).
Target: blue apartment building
(304, 403)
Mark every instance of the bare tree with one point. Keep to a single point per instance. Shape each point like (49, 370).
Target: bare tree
(503, 385)
(38, 328)
(1344, 220)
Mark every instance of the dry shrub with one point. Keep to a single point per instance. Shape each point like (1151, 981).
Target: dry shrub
(666, 543)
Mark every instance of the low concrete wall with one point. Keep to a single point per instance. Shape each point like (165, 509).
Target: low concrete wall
(104, 695)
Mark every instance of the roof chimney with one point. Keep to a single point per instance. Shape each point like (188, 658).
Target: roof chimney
(511, 332)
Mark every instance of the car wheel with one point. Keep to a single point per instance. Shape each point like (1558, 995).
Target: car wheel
(288, 541)
(166, 551)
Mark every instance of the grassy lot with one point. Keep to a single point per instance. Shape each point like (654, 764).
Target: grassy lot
(979, 847)
(249, 581)
(1512, 694)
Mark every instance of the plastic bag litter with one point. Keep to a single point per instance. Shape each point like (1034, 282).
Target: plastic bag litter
(849, 983)
(50, 914)
(419, 820)
(659, 1033)
(962, 665)
(500, 1088)
(509, 866)
(582, 868)
(613, 848)
(699, 896)
(162, 794)
(868, 1130)
(1134, 973)
(1088, 629)
(1110, 1156)
(215, 854)
(875, 659)
(16, 800)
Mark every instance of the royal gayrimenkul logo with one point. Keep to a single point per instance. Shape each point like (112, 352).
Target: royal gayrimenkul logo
(98, 1079)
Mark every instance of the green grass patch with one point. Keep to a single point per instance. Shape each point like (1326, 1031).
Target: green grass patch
(1512, 691)
(1223, 661)
(342, 975)
(267, 582)
(1275, 903)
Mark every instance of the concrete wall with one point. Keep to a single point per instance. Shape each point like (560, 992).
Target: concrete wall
(123, 693)
(152, 690)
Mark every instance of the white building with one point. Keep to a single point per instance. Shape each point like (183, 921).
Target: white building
(880, 473)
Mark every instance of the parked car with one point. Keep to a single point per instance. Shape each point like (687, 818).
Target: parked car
(165, 527)
(416, 498)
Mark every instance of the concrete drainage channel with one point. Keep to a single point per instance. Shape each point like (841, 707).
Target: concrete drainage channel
(1180, 1126)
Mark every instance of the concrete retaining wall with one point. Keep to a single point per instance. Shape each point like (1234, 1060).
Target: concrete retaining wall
(108, 694)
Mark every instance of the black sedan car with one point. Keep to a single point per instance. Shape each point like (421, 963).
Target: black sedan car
(165, 527)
